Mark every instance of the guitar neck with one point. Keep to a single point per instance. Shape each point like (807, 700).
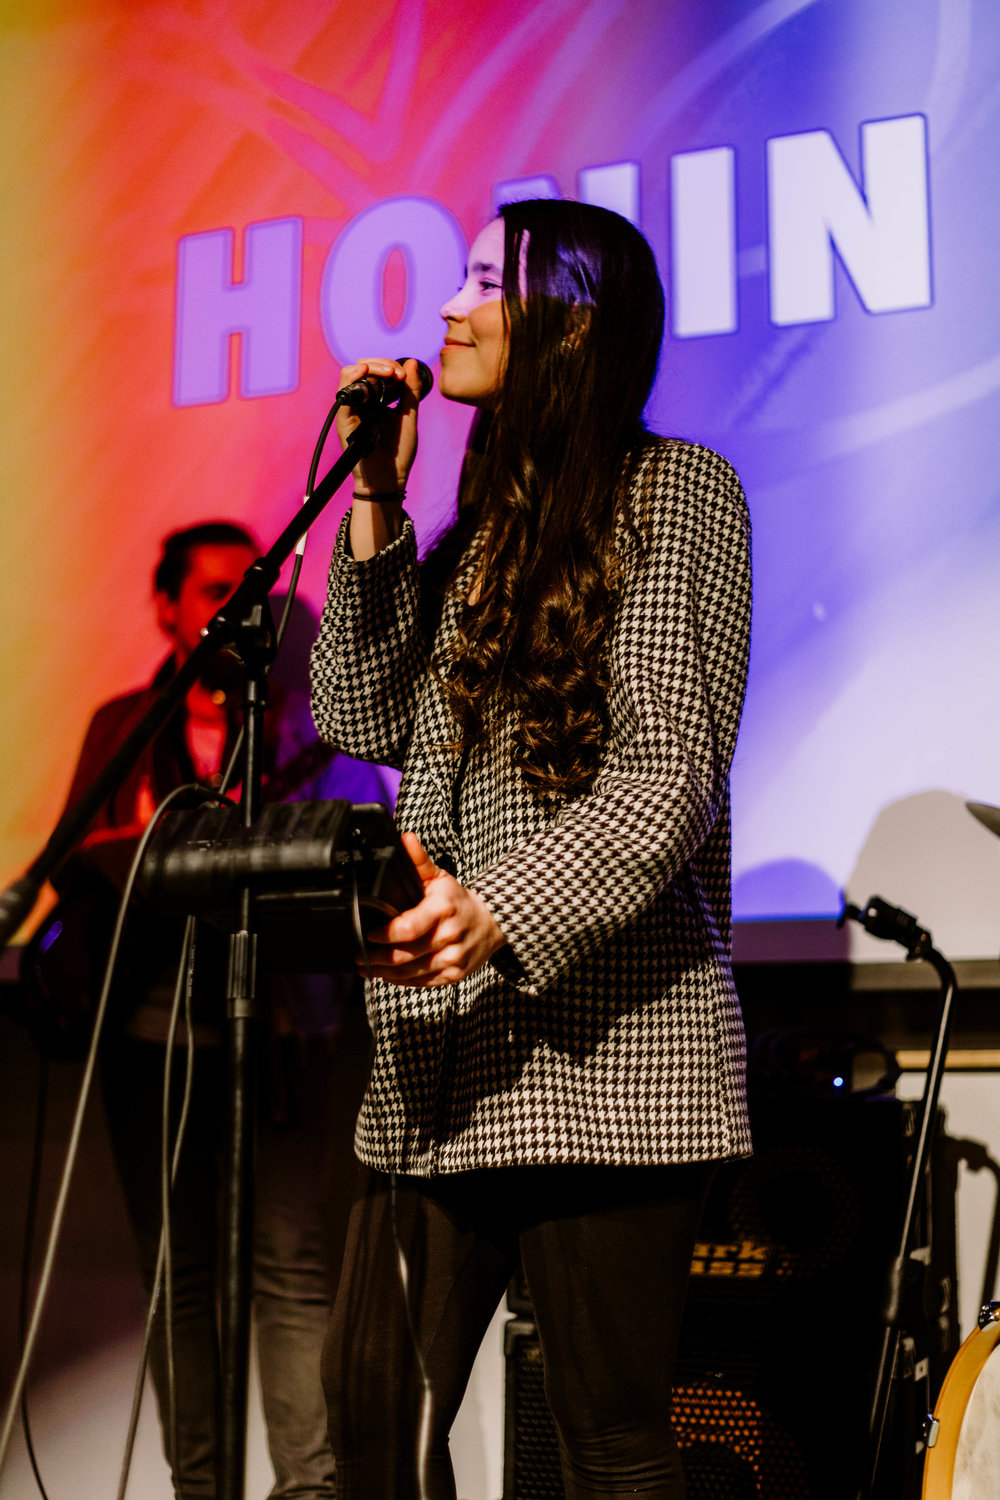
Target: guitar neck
(297, 771)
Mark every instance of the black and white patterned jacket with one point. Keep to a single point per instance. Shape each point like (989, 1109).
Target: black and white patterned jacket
(609, 1030)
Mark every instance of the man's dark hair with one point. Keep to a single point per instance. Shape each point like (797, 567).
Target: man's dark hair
(175, 560)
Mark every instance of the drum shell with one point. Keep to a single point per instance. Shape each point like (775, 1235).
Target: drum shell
(963, 1453)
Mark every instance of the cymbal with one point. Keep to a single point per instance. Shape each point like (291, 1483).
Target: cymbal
(988, 816)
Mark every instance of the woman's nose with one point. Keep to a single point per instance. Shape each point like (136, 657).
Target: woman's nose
(458, 305)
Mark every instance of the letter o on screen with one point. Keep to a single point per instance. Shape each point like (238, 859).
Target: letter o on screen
(434, 249)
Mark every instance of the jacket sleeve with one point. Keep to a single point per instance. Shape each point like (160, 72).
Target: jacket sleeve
(370, 655)
(679, 647)
(107, 729)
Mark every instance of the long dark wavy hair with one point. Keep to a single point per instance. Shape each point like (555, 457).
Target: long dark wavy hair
(544, 478)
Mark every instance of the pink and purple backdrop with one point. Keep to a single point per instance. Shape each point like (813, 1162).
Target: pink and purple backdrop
(819, 181)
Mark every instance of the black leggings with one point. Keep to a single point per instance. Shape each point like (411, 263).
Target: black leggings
(606, 1253)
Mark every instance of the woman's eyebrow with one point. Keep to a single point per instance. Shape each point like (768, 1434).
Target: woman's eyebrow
(483, 265)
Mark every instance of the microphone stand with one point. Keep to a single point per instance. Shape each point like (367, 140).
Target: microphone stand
(885, 921)
(244, 621)
(256, 643)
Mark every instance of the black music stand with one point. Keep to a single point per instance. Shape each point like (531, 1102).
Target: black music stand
(316, 871)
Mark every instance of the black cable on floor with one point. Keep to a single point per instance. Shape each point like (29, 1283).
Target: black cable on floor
(30, 1215)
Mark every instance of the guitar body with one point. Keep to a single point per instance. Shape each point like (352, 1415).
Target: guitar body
(63, 962)
(62, 966)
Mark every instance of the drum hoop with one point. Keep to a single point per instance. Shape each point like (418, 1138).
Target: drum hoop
(963, 1372)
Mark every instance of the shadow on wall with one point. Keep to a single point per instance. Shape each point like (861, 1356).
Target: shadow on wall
(927, 854)
(783, 885)
(764, 935)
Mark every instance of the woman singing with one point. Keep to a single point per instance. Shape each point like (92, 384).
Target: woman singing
(558, 1046)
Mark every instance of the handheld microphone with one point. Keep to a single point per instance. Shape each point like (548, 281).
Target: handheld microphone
(377, 392)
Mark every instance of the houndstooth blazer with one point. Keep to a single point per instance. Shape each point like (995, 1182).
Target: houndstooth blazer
(609, 1029)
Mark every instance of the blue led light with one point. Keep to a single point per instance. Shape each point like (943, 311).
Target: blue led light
(51, 936)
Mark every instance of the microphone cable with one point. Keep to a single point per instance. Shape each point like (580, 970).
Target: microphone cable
(72, 1149)
(163, 1275)
(28, 1334)
(427, 1398)
(27, 1253)
(293, 581)
(163, 1279)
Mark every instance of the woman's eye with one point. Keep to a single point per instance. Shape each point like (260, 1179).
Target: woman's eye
(489, 286)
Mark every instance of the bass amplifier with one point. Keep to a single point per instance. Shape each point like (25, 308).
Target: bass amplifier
(781, 1332)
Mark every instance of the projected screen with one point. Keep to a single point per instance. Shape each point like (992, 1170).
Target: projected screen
(211, 208)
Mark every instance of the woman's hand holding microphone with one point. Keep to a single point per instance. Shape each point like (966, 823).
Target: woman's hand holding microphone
(450, 933)
(380, 479)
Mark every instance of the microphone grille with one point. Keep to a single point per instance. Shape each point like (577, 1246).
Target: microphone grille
(423, 373)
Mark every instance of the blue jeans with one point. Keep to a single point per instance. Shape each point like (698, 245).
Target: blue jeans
(297, 1241)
